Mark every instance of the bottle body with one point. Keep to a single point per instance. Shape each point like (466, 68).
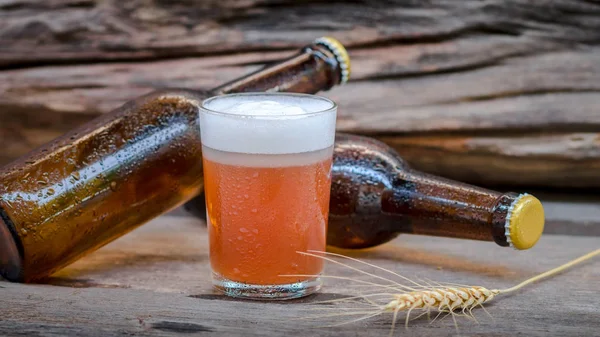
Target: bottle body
(103, 179)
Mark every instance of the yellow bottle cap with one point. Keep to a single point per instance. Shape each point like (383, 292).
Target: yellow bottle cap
(340, 53)
(525, 222)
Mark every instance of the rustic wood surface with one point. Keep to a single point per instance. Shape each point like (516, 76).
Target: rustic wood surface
(155, 281)
(491, 92)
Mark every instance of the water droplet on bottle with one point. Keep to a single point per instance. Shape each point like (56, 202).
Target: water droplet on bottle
(113, 186)
(243, 230)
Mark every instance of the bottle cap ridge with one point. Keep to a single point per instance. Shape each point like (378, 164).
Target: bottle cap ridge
(340, 53)
(525, 222)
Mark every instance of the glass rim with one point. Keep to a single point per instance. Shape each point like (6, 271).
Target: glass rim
(332, 108)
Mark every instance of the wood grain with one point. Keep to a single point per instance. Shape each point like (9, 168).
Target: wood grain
(515, 81)
(155, 281)
(507, 161)
(84, 30)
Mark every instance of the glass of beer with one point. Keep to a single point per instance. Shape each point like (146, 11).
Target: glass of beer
(267, 172)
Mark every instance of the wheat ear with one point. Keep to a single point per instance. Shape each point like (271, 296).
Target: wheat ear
(438, 297)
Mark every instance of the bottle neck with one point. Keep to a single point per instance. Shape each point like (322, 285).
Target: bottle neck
(314, 69)
(435, 206)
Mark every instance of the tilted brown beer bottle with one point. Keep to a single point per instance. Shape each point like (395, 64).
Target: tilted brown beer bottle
(375, 197)
(107, 177)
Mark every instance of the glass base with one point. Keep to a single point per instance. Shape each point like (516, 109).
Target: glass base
(266, 292)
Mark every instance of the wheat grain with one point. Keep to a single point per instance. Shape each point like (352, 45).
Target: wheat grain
(430, 297)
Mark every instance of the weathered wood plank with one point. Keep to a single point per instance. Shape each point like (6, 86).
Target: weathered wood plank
(557, 90)
(507, 161)
(84, 30)
(155, 281)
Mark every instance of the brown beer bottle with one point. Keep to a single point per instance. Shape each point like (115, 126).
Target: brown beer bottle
(375, 197)
(109, 176)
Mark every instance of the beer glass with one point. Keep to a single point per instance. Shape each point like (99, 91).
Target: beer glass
(267, 171)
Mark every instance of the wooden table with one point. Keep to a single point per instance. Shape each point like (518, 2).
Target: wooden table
(156, 281)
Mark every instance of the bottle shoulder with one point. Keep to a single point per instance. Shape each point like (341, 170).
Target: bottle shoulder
(369, 158)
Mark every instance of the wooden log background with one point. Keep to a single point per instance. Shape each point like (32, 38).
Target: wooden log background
(496, 92)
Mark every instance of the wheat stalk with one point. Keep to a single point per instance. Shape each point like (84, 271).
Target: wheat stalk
(437, 297)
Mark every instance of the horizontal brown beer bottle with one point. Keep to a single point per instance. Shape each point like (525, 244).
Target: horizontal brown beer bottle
(375, 196)
(111, 175)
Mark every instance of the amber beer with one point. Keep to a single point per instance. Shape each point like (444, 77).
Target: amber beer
(267, 176)
(111, 175)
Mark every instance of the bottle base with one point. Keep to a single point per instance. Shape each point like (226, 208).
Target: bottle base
(266, 292)
(11, 250)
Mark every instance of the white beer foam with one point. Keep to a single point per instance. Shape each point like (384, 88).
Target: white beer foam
(268, 123)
